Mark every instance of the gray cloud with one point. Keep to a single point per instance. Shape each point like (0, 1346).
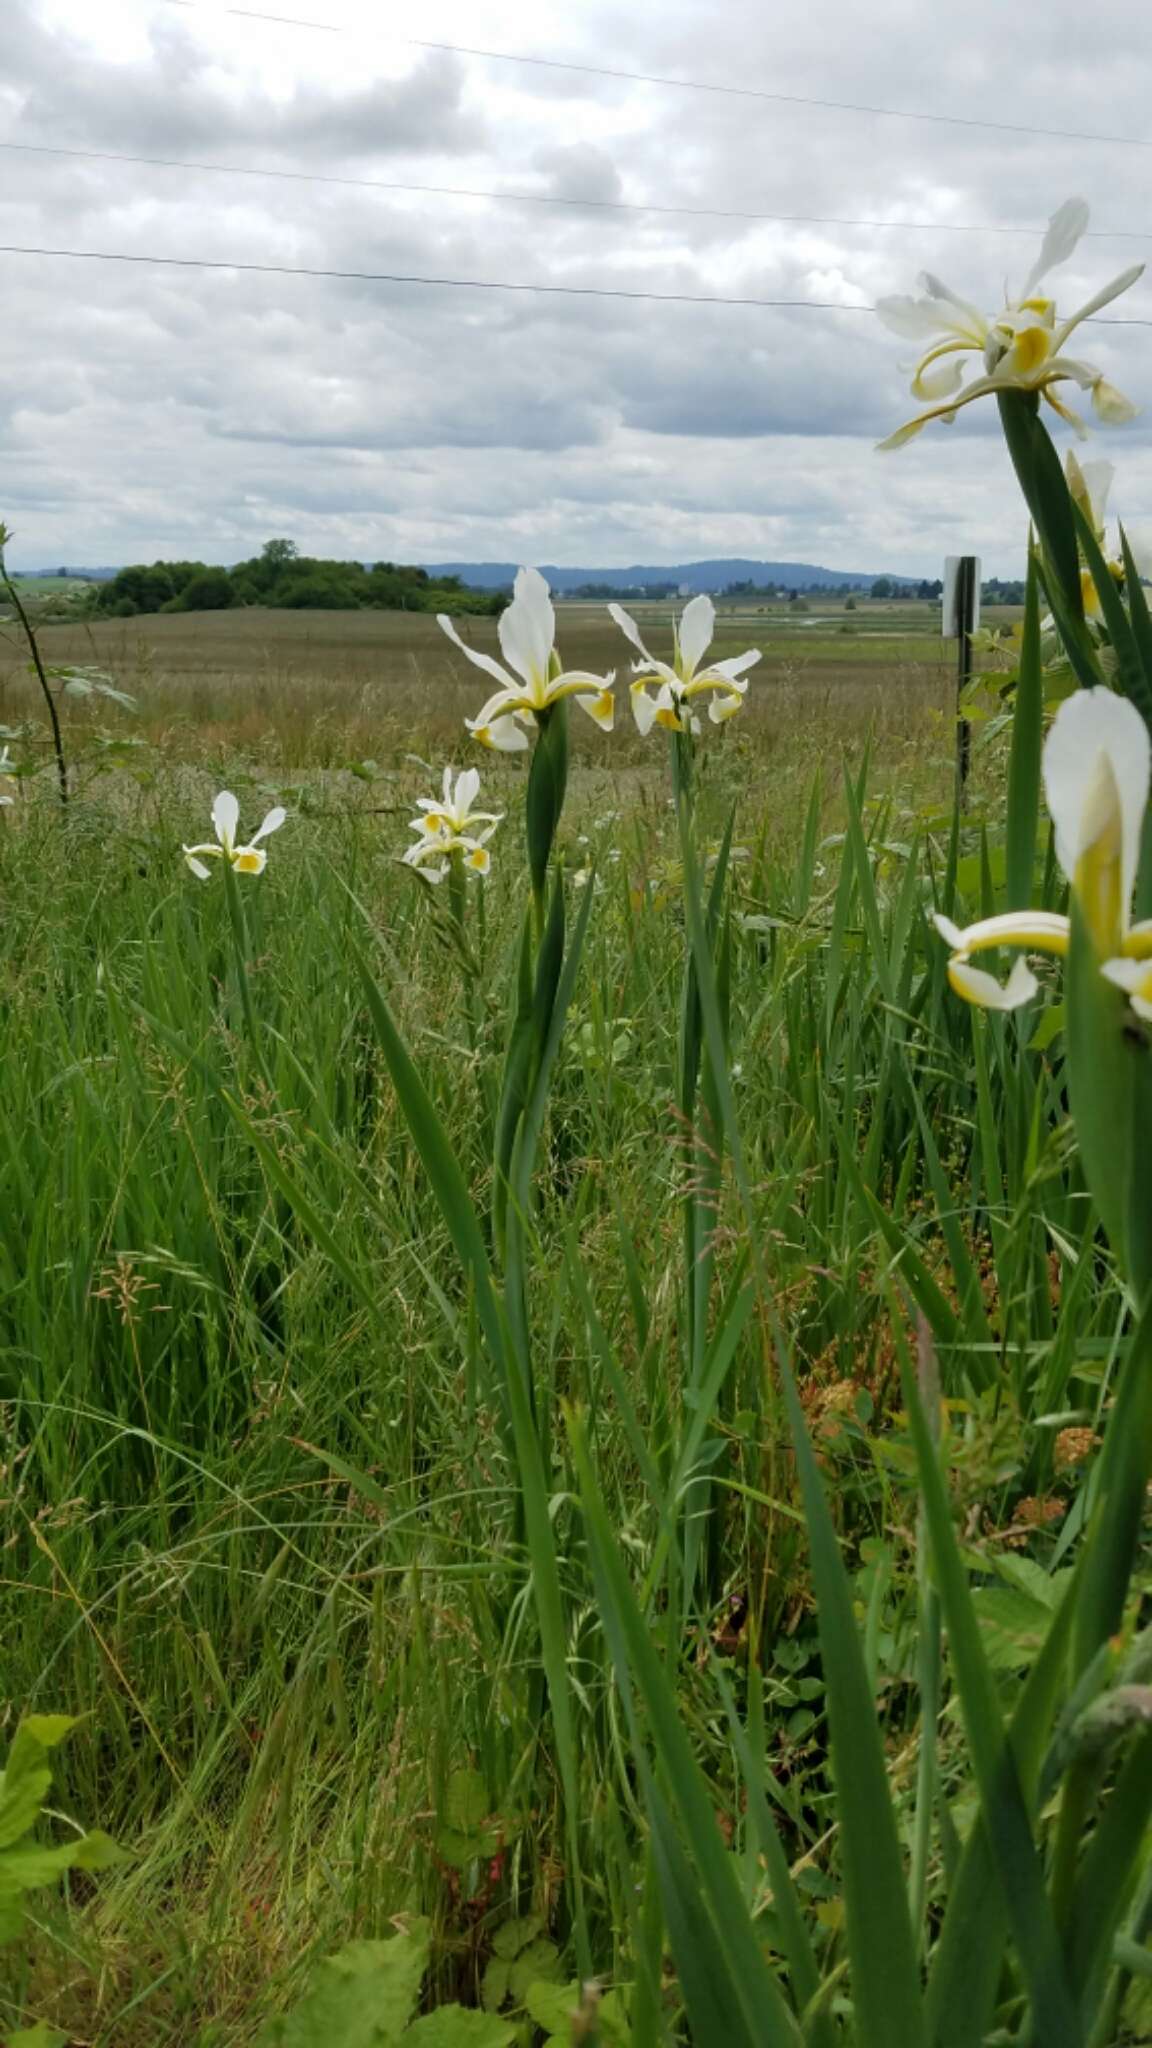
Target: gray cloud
(151, 410)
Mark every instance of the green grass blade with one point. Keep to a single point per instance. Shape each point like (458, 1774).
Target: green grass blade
(1023, 810)
(1002, 1800)
(885, 1973)
(1135, 679)
(714, 1895)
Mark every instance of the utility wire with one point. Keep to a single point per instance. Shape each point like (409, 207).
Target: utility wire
(170, 163)
(471, 284)
(745, 92)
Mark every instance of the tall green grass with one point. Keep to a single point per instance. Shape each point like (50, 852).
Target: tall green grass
(264, 1512)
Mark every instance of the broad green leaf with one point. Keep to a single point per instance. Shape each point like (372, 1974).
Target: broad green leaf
(32, 1864)
(1110, 1086)
(451, 2026)
(27, 1774)
(363, 1997)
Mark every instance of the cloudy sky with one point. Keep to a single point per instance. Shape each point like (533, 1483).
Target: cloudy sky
(152, 411)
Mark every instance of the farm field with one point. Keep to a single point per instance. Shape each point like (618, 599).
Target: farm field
(303, 685)
(336, 1561)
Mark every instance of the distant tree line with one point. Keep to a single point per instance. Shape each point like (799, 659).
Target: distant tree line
(614, 591)
(281, 577)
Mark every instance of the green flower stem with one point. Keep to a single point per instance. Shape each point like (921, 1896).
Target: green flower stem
(38, 664)
(547, 787)
(241, 948)
(457, 910)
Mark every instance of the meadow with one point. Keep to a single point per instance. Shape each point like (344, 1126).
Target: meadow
(365, 1637)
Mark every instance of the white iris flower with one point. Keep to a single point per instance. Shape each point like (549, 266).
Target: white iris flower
(247, 860)
(1096, 774)
(682, 680)
(1022, 347)
(1090, 483)
(7, 772)
(533, 680)
(447, 824)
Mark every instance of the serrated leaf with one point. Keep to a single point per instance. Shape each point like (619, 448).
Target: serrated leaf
(538, 1963)
(27, 1773)
(556, 2006)
(553, 2006)
(515, 1935)
(363, 1997)
(463, 1837)
(452, 2026)
(1013, 1625)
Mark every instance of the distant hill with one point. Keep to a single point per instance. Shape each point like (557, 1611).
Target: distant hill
(691, 576)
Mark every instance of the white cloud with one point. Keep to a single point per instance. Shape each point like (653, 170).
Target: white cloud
(145, 411)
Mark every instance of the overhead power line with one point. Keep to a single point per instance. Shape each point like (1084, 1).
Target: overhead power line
(471, 284)
(171, 163)
(744, 92)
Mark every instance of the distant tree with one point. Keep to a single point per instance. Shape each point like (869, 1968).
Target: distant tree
(883, 587)
(278, 553)
(318, 591)
(208, 591)
(849, 604)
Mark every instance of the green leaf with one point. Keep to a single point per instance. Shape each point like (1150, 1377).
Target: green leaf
(1013, 1625)
(22, 1868)
(1110, 1088)
(1024, 762)
(1133, 677)
(547, 784)
(1003, 1800)
(1118, 1494)
(885, 1971)
(39, 2036)
(559, 2007)
(967, 1959)
(451, 2026)
(1046, 492)
(513, 1367)
(733, 1999)
(462, 1836)
(363, 1997)
(27, 1773)
(509, 1976)
(516, 1935)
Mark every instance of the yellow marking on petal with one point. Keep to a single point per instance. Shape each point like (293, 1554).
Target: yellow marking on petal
(479, 860)
(1138, 942)
(1030, 349)
(1090, 595)
(668, 719)
(433, 822)
(1099, 878)
(250, 862)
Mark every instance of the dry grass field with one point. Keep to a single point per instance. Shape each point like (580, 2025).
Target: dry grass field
(320, 690)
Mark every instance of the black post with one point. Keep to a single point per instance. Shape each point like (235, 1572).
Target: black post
(967, 598)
